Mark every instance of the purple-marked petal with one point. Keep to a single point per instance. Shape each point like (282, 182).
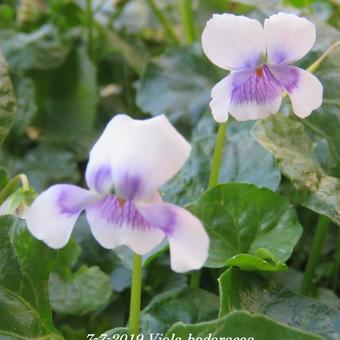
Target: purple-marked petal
(98, 172)
(254, 94)
(141, 155)
(304, 89)
(114, 223)
(288, 37)
(233, 42)
(146, 154)
(54, 212)
(188, 240)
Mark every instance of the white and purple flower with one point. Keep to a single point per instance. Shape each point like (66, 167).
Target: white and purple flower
(128, 164)
(258, 58)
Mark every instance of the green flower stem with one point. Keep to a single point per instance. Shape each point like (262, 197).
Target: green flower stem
(136, 289)
(164, 21)
(315, 254)
(195, 279)
(217, 157)
(315, 65)
(213, 181)
(187, 15)
(11, 186)
(336, 262)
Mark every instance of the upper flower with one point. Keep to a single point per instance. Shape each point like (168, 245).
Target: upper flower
(258, 59)
(128, 164)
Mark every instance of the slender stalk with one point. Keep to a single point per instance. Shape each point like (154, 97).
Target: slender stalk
(164, 21)
(89, 22)
(315, 65)
(187, 15)
(11, 186)
(336, 262)
(195, 279)
(217, 157)
(315, 254)
(136, 289)
(213, 181)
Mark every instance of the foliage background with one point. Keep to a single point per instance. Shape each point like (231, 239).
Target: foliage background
(72, 68)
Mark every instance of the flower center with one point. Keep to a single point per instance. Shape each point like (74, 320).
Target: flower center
(259, 72)
(121, 202)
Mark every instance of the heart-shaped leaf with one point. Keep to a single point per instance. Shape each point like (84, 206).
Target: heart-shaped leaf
(188, 305)
(256, 294)
(293, 149)
(240, 325)
(243, 219)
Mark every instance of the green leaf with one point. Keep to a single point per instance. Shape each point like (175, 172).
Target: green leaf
(7, 100)
(293, 149)
(77, 293)
(256, 294)
(177, 84)
(240, 324)
(3, 178)
(323, 125)
(86, 291)
(241, 219)
(43, 49)
(44, 165)
(247, 261)
(116, 331)
(26, 106)
(244, 160)
(25, 266)
(70, 100)
(188, 305)
(67, 258)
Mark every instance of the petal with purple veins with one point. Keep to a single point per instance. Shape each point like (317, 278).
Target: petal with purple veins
(115, 222)
(254, 94)
(188, 240)
(54, 212)
(304, 89)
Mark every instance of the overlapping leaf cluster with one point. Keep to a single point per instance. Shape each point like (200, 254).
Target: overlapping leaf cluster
(68, 69)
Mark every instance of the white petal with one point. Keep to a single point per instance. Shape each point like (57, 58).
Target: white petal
(188, 240)
(54, 212)
(288, 37)
(98, 172)
(233, 42)
(254, 96)
(144, 155)
(114, 225)
(307, 95)
(220, 99)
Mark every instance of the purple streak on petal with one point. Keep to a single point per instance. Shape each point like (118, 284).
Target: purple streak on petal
(253, 62)
(279, 56)
(169, 221)
(113, 212)
(250, 88)
(287, 75)
(162, 216)
(102, 177)
(128, 186)
(69, 200)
